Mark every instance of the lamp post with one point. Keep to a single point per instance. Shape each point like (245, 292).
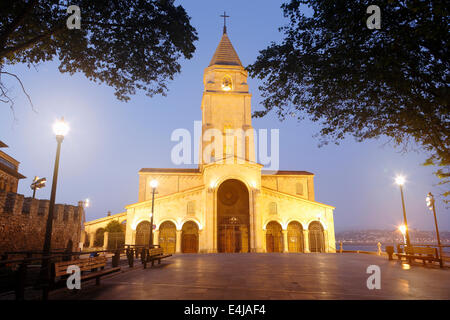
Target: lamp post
(400, 180)
(402, 229)
(153, 184)
(60, 128)
(430, 204)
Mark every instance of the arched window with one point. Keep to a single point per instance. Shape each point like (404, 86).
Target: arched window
(316, 237)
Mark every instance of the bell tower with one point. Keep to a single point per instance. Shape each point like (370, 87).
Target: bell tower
(226, 107)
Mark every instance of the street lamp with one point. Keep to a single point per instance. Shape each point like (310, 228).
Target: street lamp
(60, 128)
(37, 184)
(154, 185)
(430, 204)
(402, 229)
(400, 180)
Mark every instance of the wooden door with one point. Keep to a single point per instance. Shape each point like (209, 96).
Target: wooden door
(295, 237)
(274, 237)
(190, 243)
(189, 238)
(167, 237)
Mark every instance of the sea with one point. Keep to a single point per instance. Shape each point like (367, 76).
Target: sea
(373, 247)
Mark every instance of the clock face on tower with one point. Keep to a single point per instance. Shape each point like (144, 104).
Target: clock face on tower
(226, 83)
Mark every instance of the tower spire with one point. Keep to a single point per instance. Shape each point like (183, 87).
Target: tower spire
(224, 16)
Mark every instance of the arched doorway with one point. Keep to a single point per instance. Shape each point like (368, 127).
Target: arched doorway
(274, 237)
(99, 237)
(189, 237)
(143, 233)
(316, 237)
(168, 237)
(233, 220)
(295, 237)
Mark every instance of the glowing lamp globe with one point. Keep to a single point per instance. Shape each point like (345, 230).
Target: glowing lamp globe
(154, 183)
(400, 180)
(60, 127)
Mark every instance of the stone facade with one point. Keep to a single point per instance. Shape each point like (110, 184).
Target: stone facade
(228, 203)
(23, 223)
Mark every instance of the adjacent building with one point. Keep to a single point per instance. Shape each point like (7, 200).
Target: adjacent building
(9, 171)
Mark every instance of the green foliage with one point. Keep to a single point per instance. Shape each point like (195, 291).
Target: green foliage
(127, 44)
(99, 237)
(364, 83)
(114, 226)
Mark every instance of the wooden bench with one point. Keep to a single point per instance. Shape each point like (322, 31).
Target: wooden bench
(59, 269)
(421, 253)
(156, 254)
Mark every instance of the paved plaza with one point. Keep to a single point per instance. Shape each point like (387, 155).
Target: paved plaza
(269, 276)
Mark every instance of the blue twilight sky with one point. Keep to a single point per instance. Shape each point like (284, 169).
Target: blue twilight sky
(110, 141)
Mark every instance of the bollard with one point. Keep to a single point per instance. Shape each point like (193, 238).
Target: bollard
(340, 247)
(116, 258)
(379, 248)
(130, 257)
(390, 251)
(21, 275)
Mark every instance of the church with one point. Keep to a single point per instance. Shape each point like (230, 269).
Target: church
(229, 203)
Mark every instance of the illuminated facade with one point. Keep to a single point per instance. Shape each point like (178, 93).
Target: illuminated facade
(228, 203)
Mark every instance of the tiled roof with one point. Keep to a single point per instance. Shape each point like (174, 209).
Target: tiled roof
(287, 172)
(225, 54)
(170, 170)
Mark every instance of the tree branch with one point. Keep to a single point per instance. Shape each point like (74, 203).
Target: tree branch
(23, 89)
(16, 22)
(27, 44)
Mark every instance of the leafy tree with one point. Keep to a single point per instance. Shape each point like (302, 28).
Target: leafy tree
(99, 237)
(364, 83)
(114, 226)
(127, 44)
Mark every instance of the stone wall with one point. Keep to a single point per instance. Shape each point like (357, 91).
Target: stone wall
(23, 222)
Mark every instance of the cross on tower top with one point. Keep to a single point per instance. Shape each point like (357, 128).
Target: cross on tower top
(224, 16)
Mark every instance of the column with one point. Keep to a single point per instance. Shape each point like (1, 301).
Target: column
(264, 244)
(105, 240)
(91, 239)
(285, 241)
(155, 237)
(178, 242)
(306, 240)
(201, 242)
(133, 237)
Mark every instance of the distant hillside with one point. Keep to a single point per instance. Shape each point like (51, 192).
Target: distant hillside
(390, 236)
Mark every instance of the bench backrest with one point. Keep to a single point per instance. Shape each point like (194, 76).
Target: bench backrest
(421, 250)
(155, 251)
(60, 268)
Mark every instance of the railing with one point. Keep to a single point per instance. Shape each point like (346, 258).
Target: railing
(445, 256)
(17, 274)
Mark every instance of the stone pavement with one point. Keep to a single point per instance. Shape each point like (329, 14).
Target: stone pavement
(269, 276)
